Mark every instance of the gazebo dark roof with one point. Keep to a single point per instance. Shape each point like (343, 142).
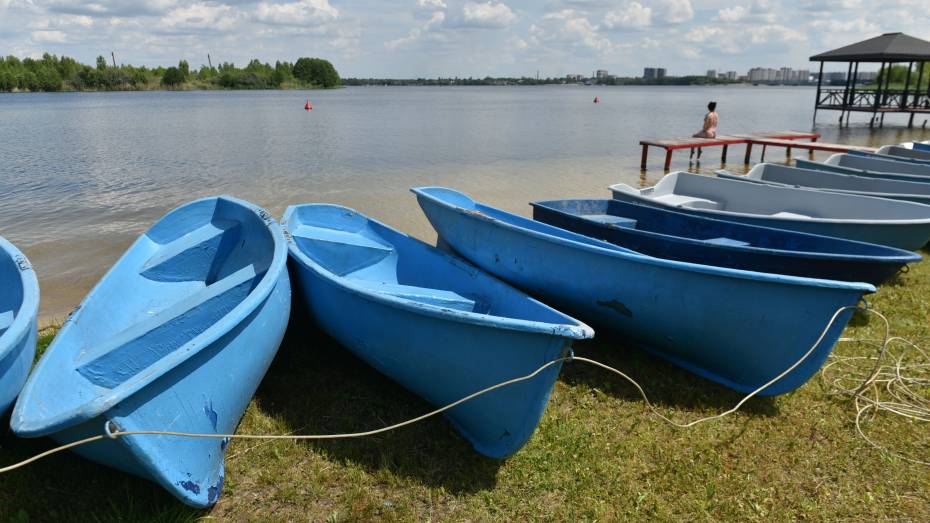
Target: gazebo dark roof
(889, 47)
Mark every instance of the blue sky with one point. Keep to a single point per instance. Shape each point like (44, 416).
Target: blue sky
(411, 38)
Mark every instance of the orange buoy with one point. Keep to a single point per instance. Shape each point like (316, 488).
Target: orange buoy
(597, 99)
(307, 106)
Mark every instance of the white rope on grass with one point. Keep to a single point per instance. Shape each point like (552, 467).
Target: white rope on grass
(893, 385)
(109, 433)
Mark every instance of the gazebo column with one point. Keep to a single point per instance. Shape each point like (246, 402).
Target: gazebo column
(920, 80)
(852, 92)
(817, 99)
(878, 93)
(881, 121)
(845, 105)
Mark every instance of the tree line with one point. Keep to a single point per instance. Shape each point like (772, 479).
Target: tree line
(489, 80)
(53, 73)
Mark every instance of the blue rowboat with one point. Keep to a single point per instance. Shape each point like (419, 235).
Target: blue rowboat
(907, 150)
(433, 323)
(895, 223)
(738, 328)
(19, 307)
(175, 337)
(811, 165)
(678, 236)
(892, 157)
(786, 176)
(921, 146)
(879, 164)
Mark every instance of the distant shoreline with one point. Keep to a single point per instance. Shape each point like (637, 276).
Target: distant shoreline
(317, 88)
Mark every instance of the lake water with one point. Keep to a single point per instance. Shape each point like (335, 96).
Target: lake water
(83, 174)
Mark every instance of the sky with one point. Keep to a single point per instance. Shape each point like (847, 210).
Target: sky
(455, 38)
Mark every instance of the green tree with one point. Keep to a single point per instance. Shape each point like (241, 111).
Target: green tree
(184, 68)
(173, 77)
(101, 63)
(316, 71)
(48, 79)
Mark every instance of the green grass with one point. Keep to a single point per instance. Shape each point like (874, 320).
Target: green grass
(597, 454)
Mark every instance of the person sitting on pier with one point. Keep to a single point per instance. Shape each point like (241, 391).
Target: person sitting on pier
(710, 126)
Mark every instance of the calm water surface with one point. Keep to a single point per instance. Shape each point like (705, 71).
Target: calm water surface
(83, 174)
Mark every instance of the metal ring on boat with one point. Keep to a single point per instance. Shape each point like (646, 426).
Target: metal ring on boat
(106, 429)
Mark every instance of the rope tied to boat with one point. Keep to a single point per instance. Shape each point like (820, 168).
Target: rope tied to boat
(908, 402)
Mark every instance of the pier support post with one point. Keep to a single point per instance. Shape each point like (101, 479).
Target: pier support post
(642, 165)
(910, 121)
(748, 153)
(668, 158)
(723, 159)
(764, 147)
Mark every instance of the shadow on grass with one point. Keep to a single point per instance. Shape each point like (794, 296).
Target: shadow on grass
(65, 487)
(318, 387)
(666, 385)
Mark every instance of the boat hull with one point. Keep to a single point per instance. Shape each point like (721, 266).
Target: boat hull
(753, 248)
(434, 324)
(176, 337)
(444, 361)
(19, 305)
(194, 398)
(909, 236)
(881, 164)
(737, 331)
(785, 176)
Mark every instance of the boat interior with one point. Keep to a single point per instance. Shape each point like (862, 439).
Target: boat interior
(191, 269)
(12, 296)
(375, 259)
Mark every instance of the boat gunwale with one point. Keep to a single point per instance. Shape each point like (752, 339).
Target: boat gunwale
(834, 159)
(890, 157)
(104, 400)
(632, 191)
(902, 256)
(614, 251)
(27, 313)
(863, 173)
(578, 330)
(727, 175)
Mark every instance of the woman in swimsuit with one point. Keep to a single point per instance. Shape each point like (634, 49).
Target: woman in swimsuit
(710, 125)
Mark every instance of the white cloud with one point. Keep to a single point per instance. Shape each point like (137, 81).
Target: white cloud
(488, 15)
(431, 4)
(858, 25)
(200, 16)
(111, 7)
(300, 13)
(518, 43)
(732, 14)
(417, 33)
(49, 37)
(735, 40)
(675, 11)
(571, 27)
(62, 21)
(632, 15)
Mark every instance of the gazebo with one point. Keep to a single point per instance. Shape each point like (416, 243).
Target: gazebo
(887, 49)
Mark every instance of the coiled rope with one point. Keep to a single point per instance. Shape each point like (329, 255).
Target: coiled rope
(886, 382)
(909, 402)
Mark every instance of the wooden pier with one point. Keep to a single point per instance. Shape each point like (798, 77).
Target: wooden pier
(724, 141)
(788, 139)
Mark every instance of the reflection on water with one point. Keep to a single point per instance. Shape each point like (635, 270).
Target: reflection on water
(82, 174)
